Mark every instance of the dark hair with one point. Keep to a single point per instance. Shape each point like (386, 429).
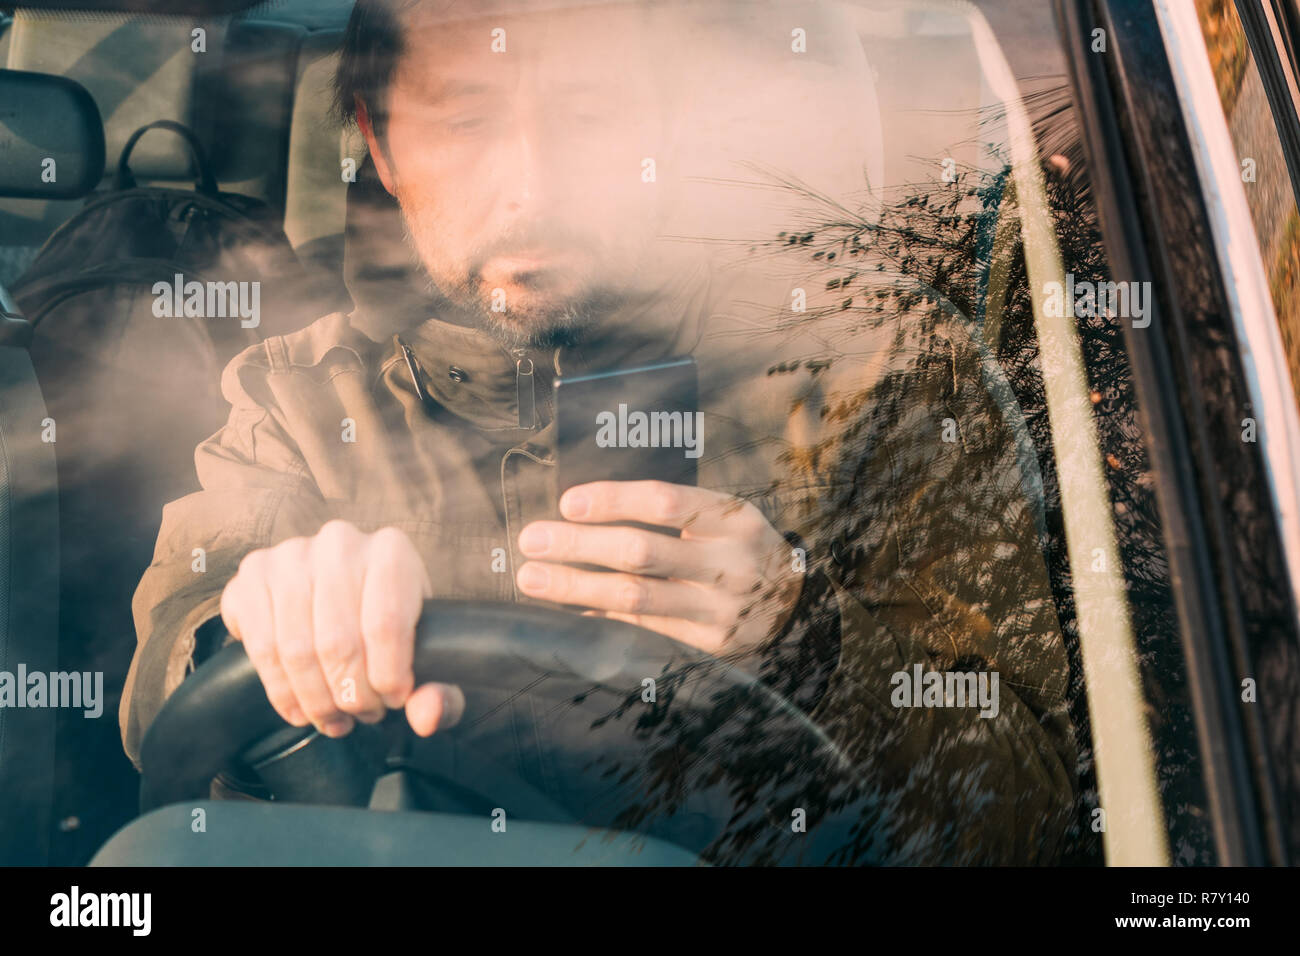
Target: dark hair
(373, 43)
(371, 47)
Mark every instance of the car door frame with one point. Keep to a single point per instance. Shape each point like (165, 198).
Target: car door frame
(1193, 383)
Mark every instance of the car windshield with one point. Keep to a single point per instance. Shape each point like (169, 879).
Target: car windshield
(807, 300)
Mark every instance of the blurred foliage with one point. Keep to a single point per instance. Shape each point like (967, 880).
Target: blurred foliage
(924, 791)
(1284, 285)
(1225, 41)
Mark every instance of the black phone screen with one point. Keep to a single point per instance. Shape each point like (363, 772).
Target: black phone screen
(629, 424)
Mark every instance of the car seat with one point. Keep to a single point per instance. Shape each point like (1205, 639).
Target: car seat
(29, 595)
(137, 70)
(29, 514)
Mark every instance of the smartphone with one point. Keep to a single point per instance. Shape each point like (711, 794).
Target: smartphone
(629, 424)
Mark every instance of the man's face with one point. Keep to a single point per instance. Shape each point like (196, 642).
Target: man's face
(520, 173)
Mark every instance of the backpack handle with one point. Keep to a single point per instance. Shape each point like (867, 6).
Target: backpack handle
(205, 182)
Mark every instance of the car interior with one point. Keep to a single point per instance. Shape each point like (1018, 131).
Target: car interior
(260, 99)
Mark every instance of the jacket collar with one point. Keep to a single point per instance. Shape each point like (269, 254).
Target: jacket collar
(466, 370)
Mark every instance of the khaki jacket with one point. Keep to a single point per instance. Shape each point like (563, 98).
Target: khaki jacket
(885, 440)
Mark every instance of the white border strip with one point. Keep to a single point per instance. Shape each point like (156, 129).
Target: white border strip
(1262, 354)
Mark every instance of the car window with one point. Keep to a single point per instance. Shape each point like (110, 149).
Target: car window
(917, 570)
(1252, 71)
(1269, 190)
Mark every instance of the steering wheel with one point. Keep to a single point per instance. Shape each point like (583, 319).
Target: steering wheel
(553, 697)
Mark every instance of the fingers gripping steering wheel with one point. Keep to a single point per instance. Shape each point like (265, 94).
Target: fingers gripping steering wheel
(573, 686)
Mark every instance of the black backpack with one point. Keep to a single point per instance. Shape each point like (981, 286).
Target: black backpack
(128, 237)
(132, 390)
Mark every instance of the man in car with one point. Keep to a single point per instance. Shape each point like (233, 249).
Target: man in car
(862, 511)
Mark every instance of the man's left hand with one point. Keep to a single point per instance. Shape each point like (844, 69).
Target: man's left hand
(724, 586)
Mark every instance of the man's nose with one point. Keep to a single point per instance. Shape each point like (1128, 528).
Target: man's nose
(525, 176)
(534, 165)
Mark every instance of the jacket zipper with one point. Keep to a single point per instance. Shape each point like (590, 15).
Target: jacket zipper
(413, 366)
(527, 396)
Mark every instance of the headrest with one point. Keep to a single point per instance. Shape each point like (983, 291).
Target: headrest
(137, 69)
(51, 137)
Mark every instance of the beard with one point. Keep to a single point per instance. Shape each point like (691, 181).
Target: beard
(545, 325)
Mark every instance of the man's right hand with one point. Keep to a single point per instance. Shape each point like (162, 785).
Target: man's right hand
(329, 623)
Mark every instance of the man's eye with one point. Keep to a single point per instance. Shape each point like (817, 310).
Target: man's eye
(467, 124)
